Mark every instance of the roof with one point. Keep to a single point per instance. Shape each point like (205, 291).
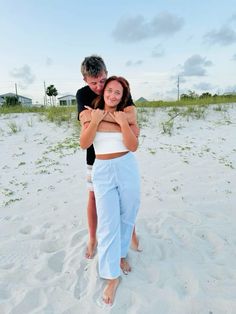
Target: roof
(12, 94)
(67, 96)
(141, 99)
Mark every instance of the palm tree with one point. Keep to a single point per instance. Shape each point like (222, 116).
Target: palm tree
(51, 91)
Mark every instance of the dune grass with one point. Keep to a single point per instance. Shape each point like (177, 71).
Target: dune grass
(190, 102)
(61, 114)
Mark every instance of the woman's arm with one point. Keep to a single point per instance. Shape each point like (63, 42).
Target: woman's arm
(89, 129)
(85, 118)
(129, 138)
(130, 111)
(131, 114)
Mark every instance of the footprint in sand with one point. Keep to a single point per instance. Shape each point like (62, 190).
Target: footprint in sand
(50, 246)
(17, 253)
(4, 292)
(188, 216)
(81, 285)
(188, 283)
(215, 243)
(56, 261)
(32, 301)
(7, 266)
(26, 230)
(78, 238)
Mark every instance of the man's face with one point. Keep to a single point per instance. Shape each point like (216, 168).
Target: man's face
(96, 84)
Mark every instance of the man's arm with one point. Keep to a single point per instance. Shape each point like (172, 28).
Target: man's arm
(85, 116)
(130, 111)
(80, 104)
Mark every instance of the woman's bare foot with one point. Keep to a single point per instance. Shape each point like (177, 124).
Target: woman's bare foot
(91, 248)
(110, 290)
(135, 242)
(124, 265)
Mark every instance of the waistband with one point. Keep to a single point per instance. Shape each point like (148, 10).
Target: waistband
(125, 157)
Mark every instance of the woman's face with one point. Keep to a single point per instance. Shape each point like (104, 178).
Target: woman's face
(113, 94)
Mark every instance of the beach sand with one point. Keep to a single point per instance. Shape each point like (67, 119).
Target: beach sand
(186, 222)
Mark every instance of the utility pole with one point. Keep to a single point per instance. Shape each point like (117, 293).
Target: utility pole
(45, 95)
(16, 90)
(178, 87)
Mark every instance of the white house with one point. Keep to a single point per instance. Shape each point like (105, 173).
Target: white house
(1, 100)
(67, 100)
(25, 101)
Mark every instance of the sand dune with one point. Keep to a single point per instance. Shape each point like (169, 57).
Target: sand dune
(186, 222)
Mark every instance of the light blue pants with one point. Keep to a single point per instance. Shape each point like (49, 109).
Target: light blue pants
(117, 192)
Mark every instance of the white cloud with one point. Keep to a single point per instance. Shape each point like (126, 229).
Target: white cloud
(133, 63)
(158, 52)
(204, 86)
(24, 75)
(133, 29)
(224, 36)
(195, 66)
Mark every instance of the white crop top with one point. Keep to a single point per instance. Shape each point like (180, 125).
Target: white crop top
(109, 142)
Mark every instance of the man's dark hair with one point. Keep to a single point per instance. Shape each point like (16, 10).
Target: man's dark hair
(93, 66)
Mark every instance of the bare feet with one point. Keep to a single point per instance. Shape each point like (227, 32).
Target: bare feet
(91, 248)
(135, 243)
(124, 265)
(110, 290)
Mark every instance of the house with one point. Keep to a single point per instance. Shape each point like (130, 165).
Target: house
(25, 101)
(1, 100)
(141, 99)
(229, 94)
(67, 100)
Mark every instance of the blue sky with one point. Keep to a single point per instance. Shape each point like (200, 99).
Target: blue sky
(148, 42)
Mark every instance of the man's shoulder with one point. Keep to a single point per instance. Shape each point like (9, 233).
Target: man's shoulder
(83, 90)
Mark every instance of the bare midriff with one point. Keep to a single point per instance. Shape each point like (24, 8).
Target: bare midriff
(110, 156)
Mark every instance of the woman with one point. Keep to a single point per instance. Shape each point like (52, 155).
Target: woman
(116, 181)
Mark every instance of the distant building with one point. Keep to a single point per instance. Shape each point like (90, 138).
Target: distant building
(25, 101)
(67, 100)
(141, 99)
(229, 94)
(1, 100)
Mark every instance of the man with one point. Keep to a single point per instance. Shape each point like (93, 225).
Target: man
(94, 73)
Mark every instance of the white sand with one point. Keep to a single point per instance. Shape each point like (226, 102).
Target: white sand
(186, 222)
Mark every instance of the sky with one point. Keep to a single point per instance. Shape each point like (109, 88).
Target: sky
(151, 43)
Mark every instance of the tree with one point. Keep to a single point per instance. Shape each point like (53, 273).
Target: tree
(51, 91)
(184, 97)
(190, 95)
(205, 95)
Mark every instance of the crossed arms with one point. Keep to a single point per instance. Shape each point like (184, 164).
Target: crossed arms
(99, 120)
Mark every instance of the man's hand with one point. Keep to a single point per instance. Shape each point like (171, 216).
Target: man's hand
(85, 116)
(97, 115)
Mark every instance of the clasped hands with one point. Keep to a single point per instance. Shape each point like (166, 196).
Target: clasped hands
(97, 115)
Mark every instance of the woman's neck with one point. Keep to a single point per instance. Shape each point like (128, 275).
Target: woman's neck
(110, 109)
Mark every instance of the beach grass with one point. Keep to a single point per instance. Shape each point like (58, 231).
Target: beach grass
(189, 102)
(194, 108)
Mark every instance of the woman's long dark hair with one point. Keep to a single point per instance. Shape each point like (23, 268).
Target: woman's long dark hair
(99, 101)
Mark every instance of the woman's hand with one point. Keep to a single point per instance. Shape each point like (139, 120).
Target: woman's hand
(119, 117)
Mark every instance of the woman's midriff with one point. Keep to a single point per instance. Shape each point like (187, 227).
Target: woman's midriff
(110, 156)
